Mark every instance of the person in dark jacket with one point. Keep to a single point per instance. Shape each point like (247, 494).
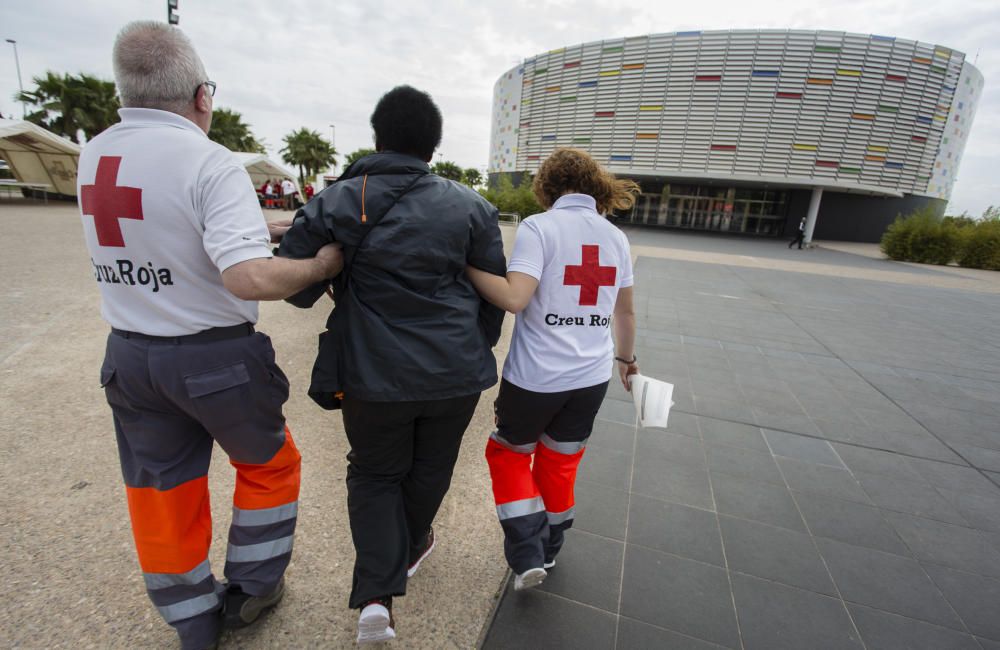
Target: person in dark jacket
(408, 345)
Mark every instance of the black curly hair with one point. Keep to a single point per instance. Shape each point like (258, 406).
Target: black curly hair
(407, 120)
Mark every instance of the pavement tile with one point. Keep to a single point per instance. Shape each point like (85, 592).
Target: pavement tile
(535, 619)
(768, 418)
(790, 557)
(957, 547)
(612, 435)
(600, 509)
(884, 631)
(850, 522)
(770, 504)
(778, 617)
(743, 463)
(674, 528)
(733, 434)
(982, 512)
(912, 497)
(667, 447)
(988, 644)
(886, 463)
(981, 457)
(974, 597)
(606, 466)
(634, 634)
(689, 597)
(738, 411)
(919, 443)
(588, 570)
(804, 448)
(617, 411)
(888, 582)
(832, 481)
(673, 482)
(960, 478)
(685, 424)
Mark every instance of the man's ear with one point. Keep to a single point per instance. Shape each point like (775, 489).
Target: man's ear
(202, 100)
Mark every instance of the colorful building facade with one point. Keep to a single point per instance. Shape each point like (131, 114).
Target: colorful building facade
(739, 130)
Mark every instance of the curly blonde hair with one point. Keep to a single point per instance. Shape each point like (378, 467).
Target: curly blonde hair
(570, 170)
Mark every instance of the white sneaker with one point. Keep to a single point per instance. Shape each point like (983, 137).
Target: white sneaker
(375, 624)
(530, 578)
(548, 565)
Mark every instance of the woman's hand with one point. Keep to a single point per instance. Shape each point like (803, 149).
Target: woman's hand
(626, 369)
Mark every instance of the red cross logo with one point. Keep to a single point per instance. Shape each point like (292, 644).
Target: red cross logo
(590, 275)
(108, 202)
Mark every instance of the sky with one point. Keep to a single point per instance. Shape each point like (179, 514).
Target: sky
(298, 63)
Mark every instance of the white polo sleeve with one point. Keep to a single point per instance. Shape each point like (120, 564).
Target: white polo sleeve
(235, 228)
(627, 280)
(528, 256)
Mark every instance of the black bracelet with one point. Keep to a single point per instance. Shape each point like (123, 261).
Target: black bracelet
(634, 359)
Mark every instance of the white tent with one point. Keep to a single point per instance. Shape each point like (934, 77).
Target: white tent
(39, 157)
(261, 168)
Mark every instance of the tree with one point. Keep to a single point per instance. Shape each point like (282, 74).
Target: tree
(448, 169)
(357, 155)
(69, 104)
(520, 200)
(472, 177)
(309, 151)
(229, 130)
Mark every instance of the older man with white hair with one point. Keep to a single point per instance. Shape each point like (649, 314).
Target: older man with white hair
(181, 253)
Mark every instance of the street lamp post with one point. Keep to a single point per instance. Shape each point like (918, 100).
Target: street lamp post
(333, 136)
(17, 62)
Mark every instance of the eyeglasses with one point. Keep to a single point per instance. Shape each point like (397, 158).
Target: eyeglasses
(211, 88)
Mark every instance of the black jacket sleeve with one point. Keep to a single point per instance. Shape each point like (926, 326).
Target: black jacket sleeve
(310, 231)
(486, 253)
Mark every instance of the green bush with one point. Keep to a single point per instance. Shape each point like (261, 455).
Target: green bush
(507, 198)
(981, 246)
(928, 239)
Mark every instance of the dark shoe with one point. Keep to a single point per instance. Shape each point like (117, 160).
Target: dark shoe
(242, 609)
(422, 554)
(375, 623)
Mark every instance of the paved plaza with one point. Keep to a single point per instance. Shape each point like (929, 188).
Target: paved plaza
(829, 478)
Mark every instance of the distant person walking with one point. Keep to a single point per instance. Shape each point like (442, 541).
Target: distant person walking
(407, 351)
(800, 235)
(181, 253)
(569, 280)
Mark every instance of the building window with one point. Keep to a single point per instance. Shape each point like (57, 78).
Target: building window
(711, 207)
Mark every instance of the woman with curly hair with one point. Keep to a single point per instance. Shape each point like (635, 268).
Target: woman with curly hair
(569, 281)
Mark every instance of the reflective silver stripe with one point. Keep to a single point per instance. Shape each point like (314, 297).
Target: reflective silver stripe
(265, 516)
(560, 517)
(188, 608)
(258, 552)
(164, 580)
(521, 449)
(520, 508)
(565, 448)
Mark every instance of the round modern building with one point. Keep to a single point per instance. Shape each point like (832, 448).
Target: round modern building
(748, 131)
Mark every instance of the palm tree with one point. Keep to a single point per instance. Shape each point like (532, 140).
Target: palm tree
(229, 130)
(357, 155)
(69, 104)
(448, 169)
(309, 151)
(472, 177)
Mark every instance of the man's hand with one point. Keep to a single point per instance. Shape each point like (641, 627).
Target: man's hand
(277, 229)
(332, 258)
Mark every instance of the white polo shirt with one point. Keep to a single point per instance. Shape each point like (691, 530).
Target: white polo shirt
(562, 340)
(287, 187)
(165, 210)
